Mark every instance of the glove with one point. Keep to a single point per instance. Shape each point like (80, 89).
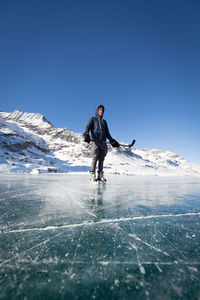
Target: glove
(86, 137)
(114, 143)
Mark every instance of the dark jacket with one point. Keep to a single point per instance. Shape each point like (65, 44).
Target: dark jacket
(99, 128)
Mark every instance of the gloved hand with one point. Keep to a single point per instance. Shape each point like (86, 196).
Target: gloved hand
(86, 137)
(114, 143)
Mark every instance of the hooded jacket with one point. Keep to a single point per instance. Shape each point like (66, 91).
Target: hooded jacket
(98, 127)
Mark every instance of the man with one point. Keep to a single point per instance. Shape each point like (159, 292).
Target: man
(100, 132)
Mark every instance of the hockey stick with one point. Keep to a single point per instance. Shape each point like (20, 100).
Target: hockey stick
(128, 145)
(124, 145)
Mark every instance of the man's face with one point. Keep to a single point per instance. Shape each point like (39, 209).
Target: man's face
(100, 112)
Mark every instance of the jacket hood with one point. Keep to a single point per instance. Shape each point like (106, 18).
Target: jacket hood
(97, 108)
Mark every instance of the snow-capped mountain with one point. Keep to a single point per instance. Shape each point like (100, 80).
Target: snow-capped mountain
(30, 143)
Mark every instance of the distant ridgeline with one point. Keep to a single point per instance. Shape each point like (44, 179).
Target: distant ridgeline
(30, 143)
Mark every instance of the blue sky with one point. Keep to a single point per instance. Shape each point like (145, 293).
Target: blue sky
(141, 59)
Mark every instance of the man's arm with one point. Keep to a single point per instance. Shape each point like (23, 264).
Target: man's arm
(89, 125)
(107, 132)
(113, 142)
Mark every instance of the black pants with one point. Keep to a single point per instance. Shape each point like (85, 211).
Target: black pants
(99, 151)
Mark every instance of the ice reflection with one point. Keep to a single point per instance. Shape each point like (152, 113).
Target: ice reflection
(150, 191)
(72, 199)
(96, 200)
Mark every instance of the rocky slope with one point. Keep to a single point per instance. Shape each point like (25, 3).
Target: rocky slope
(30, 143)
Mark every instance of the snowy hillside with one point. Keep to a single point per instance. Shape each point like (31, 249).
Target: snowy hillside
(30, 143)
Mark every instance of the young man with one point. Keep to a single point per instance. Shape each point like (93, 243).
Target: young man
(100, 132)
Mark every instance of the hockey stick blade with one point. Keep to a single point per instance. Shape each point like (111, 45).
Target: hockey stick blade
(128, 145)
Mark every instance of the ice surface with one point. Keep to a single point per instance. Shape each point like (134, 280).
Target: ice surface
(62, 237)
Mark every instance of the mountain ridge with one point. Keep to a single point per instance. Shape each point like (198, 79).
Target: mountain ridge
(30, 143)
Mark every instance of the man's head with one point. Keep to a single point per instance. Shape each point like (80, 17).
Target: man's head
(100, 110)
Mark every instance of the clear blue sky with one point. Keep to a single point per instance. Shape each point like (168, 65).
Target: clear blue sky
(141, 59)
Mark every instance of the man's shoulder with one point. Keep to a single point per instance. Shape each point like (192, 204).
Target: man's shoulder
(93, 118)
(105, 121)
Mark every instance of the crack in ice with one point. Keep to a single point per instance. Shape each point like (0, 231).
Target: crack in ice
(147, 244)
(142, 269)
(25, 251)
(104, 221)
(173, 245)
(78, 203)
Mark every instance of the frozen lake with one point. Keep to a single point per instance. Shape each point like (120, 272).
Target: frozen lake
(62, 237)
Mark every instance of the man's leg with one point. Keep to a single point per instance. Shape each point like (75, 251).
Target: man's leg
(102, 154)
(95, 156)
